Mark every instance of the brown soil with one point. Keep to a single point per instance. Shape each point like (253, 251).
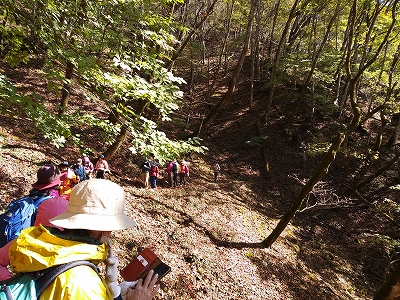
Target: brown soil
(210, 234)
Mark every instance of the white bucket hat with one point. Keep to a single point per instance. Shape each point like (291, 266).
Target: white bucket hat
(95, 204)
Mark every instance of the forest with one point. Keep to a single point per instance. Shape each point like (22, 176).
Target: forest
(299, 101)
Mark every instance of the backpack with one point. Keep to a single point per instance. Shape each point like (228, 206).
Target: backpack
(174, 167)
(80, 171)
(20, 214)
(184, 169)
(153, 171)
(29, 286)
(146, 166)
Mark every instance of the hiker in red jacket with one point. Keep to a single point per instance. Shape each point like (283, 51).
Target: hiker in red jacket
(153, 175)
(183, 173)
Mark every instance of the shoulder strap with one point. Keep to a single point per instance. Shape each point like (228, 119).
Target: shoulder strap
(40, 200)
(4, 285)
(45, 277)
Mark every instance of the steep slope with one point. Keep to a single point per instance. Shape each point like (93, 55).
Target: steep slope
(210, 233)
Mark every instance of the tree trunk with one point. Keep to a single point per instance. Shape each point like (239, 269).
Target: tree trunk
(252, 62)
(183, 18)
(379, 135)
(264, 149)
(390, 289)
(111, 150)
(305, 84)
(257, 41)
(343, 99)
(271, 37)
(222, 53)
(276, 60)
(209, 10)
(330, 156)
(371, 26)
(395, 135)
(322, 170)
(346, 159)
(192, 76)
(353, 82)
(391, 86)
(232, 84)
(382, 170)
(66, 88)
(117, 143)
(115, 117)
(319, 174)
(302, 20)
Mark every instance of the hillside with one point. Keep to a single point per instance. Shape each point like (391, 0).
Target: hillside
(210, 233)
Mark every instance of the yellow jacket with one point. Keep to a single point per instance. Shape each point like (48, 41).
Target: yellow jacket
(37, 249)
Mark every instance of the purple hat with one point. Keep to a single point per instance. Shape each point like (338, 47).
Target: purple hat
(47, 176)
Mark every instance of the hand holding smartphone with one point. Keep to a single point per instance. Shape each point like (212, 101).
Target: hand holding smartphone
(140, 266)
(161, 270)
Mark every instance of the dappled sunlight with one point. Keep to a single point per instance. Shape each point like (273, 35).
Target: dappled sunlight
(203, 232)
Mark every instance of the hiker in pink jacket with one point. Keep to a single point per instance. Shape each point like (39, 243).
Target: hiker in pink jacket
(46, 210)
(183, 173)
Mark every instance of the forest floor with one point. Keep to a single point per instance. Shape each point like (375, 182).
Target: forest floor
(210, 233)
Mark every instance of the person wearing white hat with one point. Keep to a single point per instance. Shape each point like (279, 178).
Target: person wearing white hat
(95, 209)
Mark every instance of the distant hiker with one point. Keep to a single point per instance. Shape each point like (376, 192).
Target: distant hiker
(216, 168)
(170, 173)
(153, 175)
(79, 170)
(89, 168)
(145, 169)
(68, 179)
(101, 167)
(175, 169)
(183, 173)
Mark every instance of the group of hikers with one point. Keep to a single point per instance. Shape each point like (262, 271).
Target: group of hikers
(69, 228)
(83, 169)
(177, 173)
(73, 231)
(150, 172)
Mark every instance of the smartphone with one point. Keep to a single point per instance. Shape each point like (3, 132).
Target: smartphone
(162, 270)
